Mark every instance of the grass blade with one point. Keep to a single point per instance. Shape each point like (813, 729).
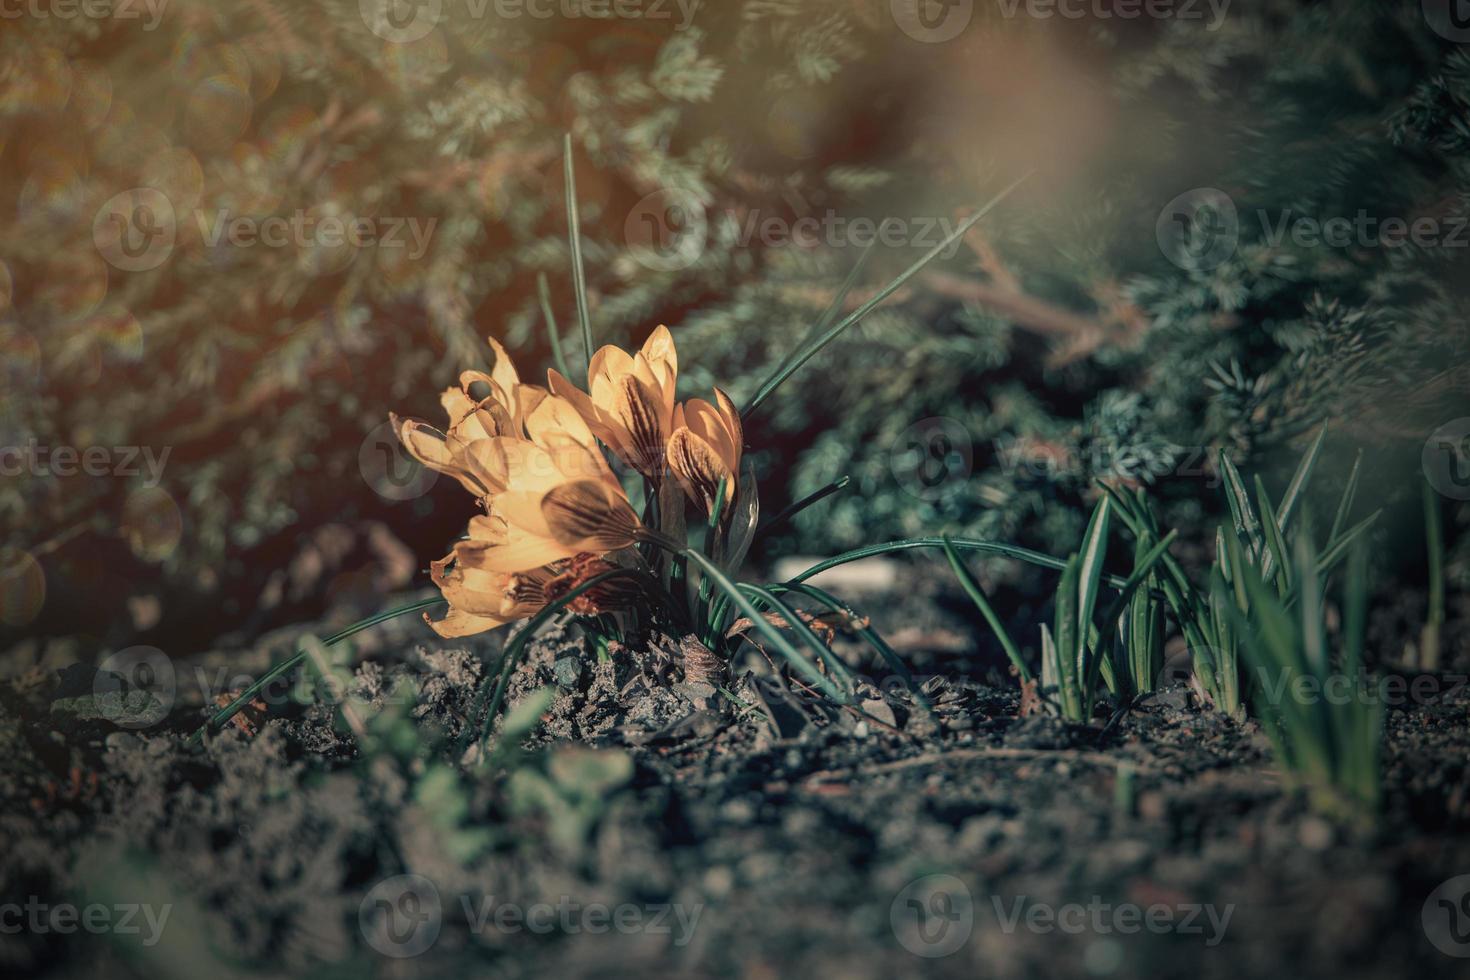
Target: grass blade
(574, 234)
(1338, 548)
(977, 596)
(1345, 505)
(1241, 513)
(791, 510)
(872, 636)
(788, 369)
(770, 632)
(1141, 571)
(1067, 641)
(1300, 477)
(221, 717)
(962, 544)
(830, 313)
(543, 293)
(1089, 578)
(1273, 565)
(797, 625)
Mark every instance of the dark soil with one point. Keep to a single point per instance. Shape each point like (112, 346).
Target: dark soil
(782, 838)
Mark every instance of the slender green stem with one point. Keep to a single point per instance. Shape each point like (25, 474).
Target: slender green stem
(553, 333)
(964, 544)
(574, 233)
(1429, 643)
(977, 596)
(828, 315)
(229, 711)
(748, 609)
(791, 510)
(794, 622)
(786, 370)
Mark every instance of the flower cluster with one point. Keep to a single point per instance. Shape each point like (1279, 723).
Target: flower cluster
(555, 513)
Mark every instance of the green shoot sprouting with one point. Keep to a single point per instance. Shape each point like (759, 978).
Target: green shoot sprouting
(1259, 538)
(1325, 725)
(1429, 646)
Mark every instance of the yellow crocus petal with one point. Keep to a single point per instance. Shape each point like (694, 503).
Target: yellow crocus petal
(597, 420)
(660, 351)
(521, 511)
(609, 362)
(486, 420)
(522, 552)
(554, 416)
(457, 623)
(733, 425)
(504, 370)
(512, 464)
(699, 468)
(588, 515)
(488, 528)
(705, 421)
(640, 411)
(456, 404)
(435, 450)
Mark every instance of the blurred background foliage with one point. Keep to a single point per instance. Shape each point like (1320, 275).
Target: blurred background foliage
(1060, 338)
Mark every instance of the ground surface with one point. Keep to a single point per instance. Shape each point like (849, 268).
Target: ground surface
(699, 840)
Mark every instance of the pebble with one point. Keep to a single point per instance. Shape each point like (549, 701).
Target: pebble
(121, 741)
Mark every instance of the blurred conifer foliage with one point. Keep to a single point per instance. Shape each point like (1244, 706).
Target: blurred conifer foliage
(237, 231)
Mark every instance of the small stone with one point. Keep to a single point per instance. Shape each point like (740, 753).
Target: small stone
(880, 710)
(121, 741)
(1315, 834)
(567, 671)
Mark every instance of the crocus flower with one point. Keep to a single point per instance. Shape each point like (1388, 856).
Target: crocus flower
(631, 402)
(705, 449)
(553, 508)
